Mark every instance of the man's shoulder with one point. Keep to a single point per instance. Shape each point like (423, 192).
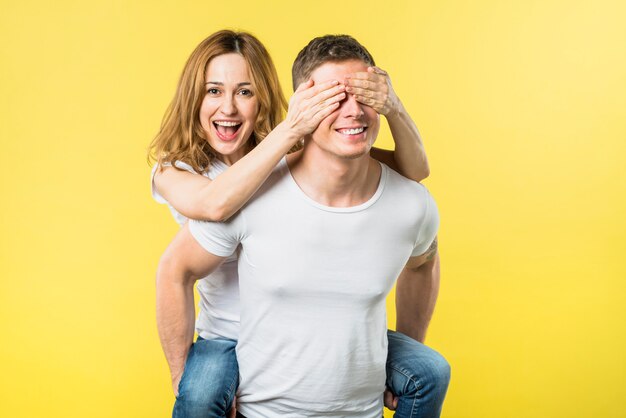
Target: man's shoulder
(410, 199)
(277, 176)
(409, 188)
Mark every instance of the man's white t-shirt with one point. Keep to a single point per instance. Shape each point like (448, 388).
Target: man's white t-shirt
(219, 292)
(313, 281)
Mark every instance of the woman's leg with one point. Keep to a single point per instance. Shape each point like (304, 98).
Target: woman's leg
(417, 375)
(210, 379)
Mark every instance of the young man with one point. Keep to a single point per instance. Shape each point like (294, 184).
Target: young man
(321, 244)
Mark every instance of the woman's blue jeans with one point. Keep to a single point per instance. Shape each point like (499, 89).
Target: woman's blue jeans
(209, 382)
(417, 374)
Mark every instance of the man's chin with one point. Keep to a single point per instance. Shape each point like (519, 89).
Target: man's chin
(353, 156)
(342, 151)
(354, 153)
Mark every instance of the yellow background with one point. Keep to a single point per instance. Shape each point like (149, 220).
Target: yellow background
(522, 105)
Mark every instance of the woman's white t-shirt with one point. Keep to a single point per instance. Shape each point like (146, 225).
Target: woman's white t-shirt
(219, 292)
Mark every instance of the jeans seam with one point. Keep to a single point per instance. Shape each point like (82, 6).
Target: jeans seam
(410, 379)
(230, 391)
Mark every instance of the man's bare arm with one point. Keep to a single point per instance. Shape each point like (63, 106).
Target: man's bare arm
(416, 293)
(183, 262)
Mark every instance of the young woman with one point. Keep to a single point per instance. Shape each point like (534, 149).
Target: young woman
(221, 137)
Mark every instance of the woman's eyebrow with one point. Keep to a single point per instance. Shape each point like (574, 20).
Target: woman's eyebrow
(219, 83)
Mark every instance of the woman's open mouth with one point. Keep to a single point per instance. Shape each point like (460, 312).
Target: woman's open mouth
(227, 130)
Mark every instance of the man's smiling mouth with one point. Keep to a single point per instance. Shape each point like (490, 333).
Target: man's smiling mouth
(352, 131)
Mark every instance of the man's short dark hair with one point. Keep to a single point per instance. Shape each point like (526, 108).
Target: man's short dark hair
(328, 48)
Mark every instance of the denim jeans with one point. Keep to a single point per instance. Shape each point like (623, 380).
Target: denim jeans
(209, 382)
(418, 375)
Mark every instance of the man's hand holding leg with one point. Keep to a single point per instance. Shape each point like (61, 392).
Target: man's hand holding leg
(183, 262)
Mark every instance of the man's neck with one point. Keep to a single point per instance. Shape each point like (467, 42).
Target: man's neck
(334, 181)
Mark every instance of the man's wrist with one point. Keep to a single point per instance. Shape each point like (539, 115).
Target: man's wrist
(176, 374)
(177, 366)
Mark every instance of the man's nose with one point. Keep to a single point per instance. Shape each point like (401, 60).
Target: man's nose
(351, 107)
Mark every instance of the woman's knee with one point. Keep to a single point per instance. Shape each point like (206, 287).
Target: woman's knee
(205, 392)
(422, 375)
(210, 379)
(439, 370)
(414, 367)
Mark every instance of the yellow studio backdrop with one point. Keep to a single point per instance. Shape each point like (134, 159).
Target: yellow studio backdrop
(522, 106)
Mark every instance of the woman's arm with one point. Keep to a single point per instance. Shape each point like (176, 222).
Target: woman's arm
(197, 197)
(373, 88)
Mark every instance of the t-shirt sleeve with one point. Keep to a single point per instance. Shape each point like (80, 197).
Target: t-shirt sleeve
(155, 194)
(219, 238)
(428, 228)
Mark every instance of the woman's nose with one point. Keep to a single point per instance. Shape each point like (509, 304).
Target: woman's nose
(228, 106)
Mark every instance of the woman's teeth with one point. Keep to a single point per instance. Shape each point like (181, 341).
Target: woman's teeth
(227, 128)
(225, 123)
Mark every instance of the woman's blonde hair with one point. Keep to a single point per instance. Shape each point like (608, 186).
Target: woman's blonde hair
(181, 137)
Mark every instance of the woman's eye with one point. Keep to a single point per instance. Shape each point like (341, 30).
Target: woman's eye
(245, 92)
(213, 91)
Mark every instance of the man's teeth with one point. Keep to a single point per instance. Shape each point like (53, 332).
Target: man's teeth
(352, 131)
(226, 123)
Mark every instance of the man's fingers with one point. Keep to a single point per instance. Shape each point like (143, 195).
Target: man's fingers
(176, 383)
(233, 409)
(390, 401)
